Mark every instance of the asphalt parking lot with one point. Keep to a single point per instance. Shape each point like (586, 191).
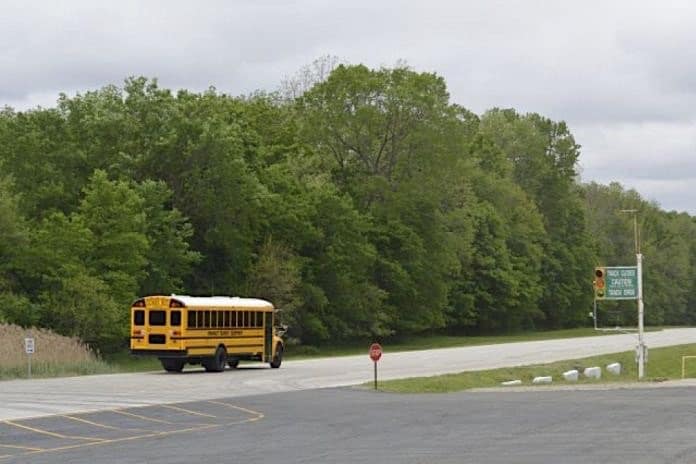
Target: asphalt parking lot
(27, 437)
(348, 425)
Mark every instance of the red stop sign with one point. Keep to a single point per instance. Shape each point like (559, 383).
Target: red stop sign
(375, 352)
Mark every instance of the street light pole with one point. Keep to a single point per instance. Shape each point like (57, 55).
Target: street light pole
(639, 270)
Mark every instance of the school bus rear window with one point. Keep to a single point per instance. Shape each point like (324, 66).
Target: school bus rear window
(157, 317)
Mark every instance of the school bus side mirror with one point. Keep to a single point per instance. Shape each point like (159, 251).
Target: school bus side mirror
(281, 329)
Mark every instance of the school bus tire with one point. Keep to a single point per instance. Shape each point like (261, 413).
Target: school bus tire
(278, 357)
(233, 363)
(172, 365)
(217, 362)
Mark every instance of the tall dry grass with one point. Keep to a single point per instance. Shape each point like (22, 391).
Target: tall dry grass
(54, 355)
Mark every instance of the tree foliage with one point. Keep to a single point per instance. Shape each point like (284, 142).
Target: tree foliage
(361, 201)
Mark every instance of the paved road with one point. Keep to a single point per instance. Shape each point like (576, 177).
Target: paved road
(33, 398)
(348, 425)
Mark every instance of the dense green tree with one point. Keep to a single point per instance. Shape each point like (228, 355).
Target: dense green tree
(14, 244)
(169, 258)
(276, 276)
(544, 156)
(42, 163)
(85, 267)
(114, 213)
(317, 249)
(361, 201)
(379, 133)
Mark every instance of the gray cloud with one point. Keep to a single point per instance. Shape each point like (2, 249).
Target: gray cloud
(622, 74)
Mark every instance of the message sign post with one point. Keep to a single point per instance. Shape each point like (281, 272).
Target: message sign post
(624, 283)
(616, 283)
(375, 355)
(621, 283)
(641, 348)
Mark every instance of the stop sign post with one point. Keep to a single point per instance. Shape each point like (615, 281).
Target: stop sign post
(375, 355)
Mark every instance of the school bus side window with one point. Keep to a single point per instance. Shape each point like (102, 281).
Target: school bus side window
(191, 315)
(175, 318)
(139, 317)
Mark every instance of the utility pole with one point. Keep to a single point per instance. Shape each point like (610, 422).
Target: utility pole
(641, 349)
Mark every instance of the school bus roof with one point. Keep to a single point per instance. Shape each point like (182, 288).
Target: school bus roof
(222, 301)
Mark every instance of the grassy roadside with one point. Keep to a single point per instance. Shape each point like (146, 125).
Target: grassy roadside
(54, 356)
(663, 364)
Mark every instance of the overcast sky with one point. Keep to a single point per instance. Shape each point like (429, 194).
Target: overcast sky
(622, 74)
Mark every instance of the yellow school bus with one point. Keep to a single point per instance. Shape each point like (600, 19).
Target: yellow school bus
(211, 331)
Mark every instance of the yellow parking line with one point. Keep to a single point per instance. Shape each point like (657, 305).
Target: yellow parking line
(21, 447)
(51, 434)
(97, 424)
(142, 417)
(118, 440)
(188, 411)
(259, 415)
(104, 441)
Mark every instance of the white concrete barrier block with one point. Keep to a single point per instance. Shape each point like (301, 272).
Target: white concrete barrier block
(593, 372)
(542, 380)
(571, 376)
(614, 368)
(511, 382)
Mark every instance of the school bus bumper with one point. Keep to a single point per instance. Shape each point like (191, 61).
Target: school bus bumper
(161, 353)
